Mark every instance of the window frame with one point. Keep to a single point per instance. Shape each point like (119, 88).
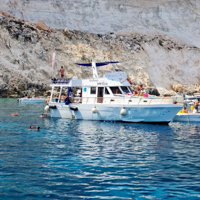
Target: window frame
(116, 87)
(91, 91)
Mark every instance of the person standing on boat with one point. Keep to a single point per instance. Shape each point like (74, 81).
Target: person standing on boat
(196, 106)
(62, 71)
(47, 100)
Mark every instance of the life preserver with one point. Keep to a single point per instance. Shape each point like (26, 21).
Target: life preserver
(129, 81)
(15, 114)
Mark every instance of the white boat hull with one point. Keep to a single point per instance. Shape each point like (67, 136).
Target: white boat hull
(187, 117)
(32, 100)
(160, 113)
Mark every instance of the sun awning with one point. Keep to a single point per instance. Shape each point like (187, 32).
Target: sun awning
(97, 64)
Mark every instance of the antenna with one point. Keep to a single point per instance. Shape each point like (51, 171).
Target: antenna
(114, 67)
(94, 68)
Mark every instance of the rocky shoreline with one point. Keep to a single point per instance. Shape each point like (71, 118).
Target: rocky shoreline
(154, 60)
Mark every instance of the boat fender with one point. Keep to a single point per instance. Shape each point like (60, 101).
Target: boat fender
(123, 112)
(52, 107)
(46, 107)
(74, 108)
(94, 110)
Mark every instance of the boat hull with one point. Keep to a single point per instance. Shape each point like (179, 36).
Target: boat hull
(187, 117)
(161, 113)
(31, 100)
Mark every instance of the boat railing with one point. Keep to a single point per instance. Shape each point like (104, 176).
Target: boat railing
(118, 100)
(60, 80)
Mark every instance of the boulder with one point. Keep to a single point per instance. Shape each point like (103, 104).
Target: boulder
(68, 33)
(42, 26)
(166, 92)
(152, 91)
(177, 87)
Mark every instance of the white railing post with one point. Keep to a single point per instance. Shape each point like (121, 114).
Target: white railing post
(51, 93)
(60, 94)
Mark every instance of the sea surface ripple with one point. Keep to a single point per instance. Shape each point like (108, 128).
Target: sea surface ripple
(76, 159)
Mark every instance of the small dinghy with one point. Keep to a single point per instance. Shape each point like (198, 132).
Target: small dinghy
(28, 99)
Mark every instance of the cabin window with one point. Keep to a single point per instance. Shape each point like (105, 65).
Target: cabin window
(115, 90)
(125, 89)
(106, 91)
(130, 90)
(93, 90)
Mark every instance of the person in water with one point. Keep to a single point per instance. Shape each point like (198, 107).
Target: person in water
(31, 128)
(37, 128)
(43, 115)
(62, 71)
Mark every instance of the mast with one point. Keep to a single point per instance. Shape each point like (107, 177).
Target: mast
(114, 66)
(94, 69)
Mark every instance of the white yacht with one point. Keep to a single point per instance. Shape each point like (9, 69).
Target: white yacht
(108, 99)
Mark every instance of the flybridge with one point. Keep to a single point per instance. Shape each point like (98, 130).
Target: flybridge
(94, 66)
(116, 78)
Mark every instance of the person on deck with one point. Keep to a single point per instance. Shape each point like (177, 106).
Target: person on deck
(135, 93)
(62, 71)
(140, 88)
(117, 91)
(57, 98)
(47, 100)
(196, 106)
(184, 110)
(62, 99)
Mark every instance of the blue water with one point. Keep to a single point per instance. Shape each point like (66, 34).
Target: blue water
(71, 159)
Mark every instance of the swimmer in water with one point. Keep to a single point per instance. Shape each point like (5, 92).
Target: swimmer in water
(43, 115)
(31, 128)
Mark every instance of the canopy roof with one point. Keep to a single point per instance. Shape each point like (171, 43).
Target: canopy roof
(97, 64)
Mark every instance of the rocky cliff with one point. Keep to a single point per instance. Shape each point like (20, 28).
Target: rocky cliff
(153, 59)
(178, 18)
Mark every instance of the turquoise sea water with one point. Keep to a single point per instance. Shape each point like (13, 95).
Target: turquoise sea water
(71, 159)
